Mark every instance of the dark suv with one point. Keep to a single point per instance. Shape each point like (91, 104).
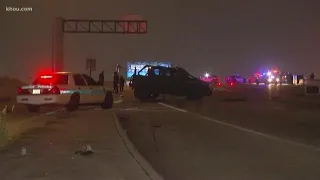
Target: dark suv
(171, 81)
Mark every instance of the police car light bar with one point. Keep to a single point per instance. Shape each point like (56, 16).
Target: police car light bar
(46, 77)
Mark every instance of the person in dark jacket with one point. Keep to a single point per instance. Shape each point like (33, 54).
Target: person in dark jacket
(122, 82)
(115, 82)
(312, 76)
(101, 78)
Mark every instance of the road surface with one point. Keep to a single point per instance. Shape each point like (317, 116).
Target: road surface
(51, 149)
(227, 136)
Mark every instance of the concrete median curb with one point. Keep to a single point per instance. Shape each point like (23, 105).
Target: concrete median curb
(143, 163)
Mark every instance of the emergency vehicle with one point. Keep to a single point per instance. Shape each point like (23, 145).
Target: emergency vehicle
(232, 80)
(212, 79)
(64, 88)
(269, 77)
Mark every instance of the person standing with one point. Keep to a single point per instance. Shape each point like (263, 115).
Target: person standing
(135, 71)
(122, 82)
(101, 78)
(115, 82)
(312, 76)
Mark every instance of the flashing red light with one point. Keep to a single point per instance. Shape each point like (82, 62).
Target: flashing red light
(219, 84)
(45, 77)
(231, 84)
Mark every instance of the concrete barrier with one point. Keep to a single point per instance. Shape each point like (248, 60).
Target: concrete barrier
(312, 90)
(312, 87)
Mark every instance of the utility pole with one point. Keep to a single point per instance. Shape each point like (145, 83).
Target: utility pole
(90, 65)
(53, 37)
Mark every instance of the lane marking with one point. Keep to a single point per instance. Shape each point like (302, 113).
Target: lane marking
(315, 148)
(52, 112)
(172, 107)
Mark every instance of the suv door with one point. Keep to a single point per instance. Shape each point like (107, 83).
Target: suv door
(97, 92)
(81, 87)
(177, 83)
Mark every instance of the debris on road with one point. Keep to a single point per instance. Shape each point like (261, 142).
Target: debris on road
(23, 151)
(87, 151)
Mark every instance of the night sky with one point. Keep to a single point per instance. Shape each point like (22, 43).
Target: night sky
(222, 37)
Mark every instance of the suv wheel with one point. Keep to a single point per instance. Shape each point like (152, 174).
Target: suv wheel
(141, 95)
(73, 102)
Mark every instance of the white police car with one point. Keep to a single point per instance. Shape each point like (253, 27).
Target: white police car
(64, 88)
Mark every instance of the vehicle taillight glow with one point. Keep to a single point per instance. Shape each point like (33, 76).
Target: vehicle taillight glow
(20, 90)
(23, 91)
(231, 84)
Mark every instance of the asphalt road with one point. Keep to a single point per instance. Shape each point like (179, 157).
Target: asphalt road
(245, 133)
(51, 149)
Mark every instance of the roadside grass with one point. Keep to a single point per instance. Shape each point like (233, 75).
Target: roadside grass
(9, 126)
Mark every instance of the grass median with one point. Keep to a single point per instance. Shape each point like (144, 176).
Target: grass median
(12, 124)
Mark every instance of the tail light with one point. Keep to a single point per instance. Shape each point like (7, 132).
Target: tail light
(219, 84)
(54, 90)
(23, 91)
(19, 90)
(231, 84)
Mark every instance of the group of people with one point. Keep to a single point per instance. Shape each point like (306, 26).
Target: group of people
(118, 81)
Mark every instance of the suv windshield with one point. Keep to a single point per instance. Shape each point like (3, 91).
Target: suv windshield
(54, 79)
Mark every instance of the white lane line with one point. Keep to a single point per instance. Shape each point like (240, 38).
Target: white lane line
(52, 112)
(249, 130)
(177, 109)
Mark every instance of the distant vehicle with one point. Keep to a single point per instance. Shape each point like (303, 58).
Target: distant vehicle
(232, 80)
(212, 79)
(170, 81)
(258, 78)
(216, 81)
(64, 88)
(270, 77)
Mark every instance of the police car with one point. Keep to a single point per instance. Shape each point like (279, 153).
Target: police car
(64, 88)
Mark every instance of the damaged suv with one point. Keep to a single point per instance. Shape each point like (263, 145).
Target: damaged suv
(169, 81)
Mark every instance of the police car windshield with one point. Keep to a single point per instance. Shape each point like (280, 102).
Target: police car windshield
(55, 79)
